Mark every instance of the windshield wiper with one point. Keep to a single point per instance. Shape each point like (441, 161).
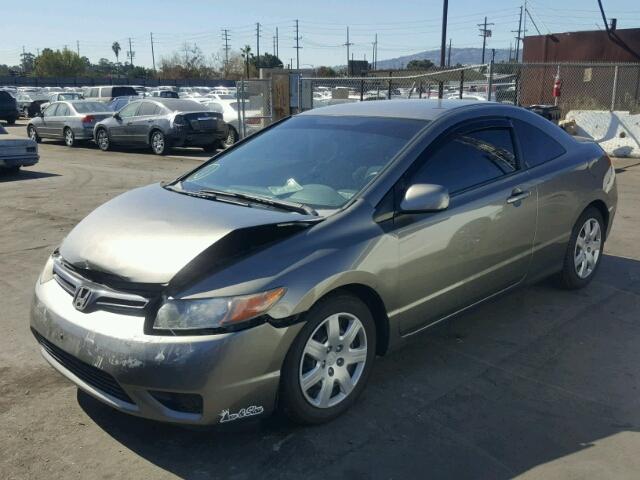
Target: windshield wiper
(282, 204)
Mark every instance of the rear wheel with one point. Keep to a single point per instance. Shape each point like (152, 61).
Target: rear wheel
(232, 137)
(584, 251)
(102, 139)
(11, 121)
(33, 134)
(330, 360)
(158, 143)
(69, 137)
(211, 148)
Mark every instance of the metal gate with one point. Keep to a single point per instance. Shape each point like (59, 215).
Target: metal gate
(255, 106)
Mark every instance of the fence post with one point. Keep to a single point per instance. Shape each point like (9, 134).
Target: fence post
(389, 92)
(490, 85)
(361, 90)
(615, 88)
(461, 84)
(420, 89)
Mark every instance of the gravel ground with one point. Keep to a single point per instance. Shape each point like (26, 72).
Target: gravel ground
(541, 383)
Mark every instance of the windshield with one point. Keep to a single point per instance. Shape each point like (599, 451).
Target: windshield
(319, 161)
(91, 107)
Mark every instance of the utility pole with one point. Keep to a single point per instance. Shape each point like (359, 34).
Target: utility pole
(153, 55)
(258, 46)
(225, 37)
(277, 44)
(130, 53)
(78, 47)
(443, 43)
(449, 55)
(274, 45)
(348, 44)
(518, 38)
(373, 55)
(375, 60)
(484, 33)
(297, 47)
(510, 51)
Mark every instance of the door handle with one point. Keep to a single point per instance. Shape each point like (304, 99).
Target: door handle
(518, 195)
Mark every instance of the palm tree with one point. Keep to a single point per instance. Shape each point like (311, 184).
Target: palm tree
(116, 49)
(246, 53)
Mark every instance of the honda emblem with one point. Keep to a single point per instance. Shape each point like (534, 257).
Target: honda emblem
(81, 298)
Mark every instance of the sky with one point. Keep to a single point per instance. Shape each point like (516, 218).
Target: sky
(403, 26)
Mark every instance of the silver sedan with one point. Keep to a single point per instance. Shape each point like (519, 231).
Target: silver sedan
(71, 121)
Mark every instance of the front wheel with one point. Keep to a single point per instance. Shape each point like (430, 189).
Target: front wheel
(102, 139)
(584, 251)
(158, 143)
(330, 360)
(33, 134)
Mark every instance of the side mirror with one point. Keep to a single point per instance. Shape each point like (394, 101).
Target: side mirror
(116, 115)
(424, 197)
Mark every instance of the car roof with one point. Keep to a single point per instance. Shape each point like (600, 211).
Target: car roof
(175, 103)
(419, 109)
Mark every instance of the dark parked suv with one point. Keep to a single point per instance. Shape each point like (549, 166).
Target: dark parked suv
(8, 107)
(162, 123)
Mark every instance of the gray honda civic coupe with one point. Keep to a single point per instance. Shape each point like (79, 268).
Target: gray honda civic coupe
(272, 275)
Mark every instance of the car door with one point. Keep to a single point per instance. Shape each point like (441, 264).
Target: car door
(56, 122)
(482, 243)
(139, 126)
(45, 129)
(118, 131)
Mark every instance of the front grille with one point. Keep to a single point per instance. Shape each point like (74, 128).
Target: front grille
(101, 296)
(95, 377)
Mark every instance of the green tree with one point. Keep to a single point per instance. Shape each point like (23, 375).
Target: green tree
(27, 62)
(115, 46)
(247, 55)
(59, 63)
(419, 65)
(266, 61)
(326, 72)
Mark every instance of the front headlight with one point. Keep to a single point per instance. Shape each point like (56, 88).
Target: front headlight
(214, 313)
(47, 271)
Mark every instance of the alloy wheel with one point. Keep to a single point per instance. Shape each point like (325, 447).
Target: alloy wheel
(157, 142)
(33, 135)
(68, 137)
(333, 360)
(103, 140)
(587, 249)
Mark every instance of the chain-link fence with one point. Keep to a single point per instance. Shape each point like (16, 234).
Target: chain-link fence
(467, 82)
(254, 105)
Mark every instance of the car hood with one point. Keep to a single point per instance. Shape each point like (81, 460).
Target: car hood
(149, 234)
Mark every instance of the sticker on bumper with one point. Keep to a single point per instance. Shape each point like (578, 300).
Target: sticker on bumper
(250, 411)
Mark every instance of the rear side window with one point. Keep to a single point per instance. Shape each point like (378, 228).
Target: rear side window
(537, 147)
(148, 108)
(466, 160)
(63, 110)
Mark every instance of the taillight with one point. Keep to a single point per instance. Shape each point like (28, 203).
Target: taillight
(88, 119)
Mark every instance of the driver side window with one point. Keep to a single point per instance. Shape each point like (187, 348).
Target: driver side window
(469, 159)
(129, 110)
(50, 111)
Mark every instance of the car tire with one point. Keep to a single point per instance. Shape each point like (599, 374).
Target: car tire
(102, 140)
(32, 133)
(11, 170)
(584, 250)
(69, 137)
(158, 143)
(232, 137)
(11, 121)
(333, 383)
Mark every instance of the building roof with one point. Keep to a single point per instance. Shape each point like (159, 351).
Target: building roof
(419, 109)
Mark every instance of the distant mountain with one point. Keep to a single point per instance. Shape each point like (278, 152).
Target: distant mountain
(464, 56)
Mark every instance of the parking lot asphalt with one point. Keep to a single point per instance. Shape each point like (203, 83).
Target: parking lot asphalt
(540, 383)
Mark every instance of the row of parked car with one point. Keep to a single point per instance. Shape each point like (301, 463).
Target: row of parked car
(121, 115)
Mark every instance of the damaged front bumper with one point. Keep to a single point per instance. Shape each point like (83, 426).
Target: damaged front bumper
(184, 379)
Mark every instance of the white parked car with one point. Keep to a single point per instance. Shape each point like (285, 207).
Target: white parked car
(229, 110)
